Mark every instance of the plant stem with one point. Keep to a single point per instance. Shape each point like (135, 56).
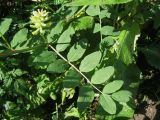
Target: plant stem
(11, 52)
(80, 10)
(100, 22)
(4, 45)
(88, 81)
(57, 110)
(6, 42)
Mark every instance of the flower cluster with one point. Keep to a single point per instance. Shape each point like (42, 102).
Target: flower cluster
(39, 21)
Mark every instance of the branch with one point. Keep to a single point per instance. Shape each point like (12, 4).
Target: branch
(88, 81)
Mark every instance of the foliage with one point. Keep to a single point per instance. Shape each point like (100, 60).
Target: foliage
(67, 54)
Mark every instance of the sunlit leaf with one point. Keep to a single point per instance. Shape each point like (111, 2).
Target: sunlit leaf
(4, 25)
(77, 50)
(90, 61)
(83, 23)
(108, 104)
(126, 42)
(96, 2)
(19, 37)
(65, 39)
(113, 86)
(102, 75)
(122, 96)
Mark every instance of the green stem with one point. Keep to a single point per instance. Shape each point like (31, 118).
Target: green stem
(12, 52)
(80, 10)
(57, 110)
(100, 22)
(6, 42)
(4, 46)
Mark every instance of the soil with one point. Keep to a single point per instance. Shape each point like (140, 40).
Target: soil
(148, 104)
(148, 95)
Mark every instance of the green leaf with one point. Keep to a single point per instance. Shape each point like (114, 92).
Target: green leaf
(122, 96)
(18, 72)
(70, 12)
(108, 104)
(93, 10)
(46, 57)
(96, 2)
(65, 39)
(131, 79)
(126, 111)
(108, 41)
(152, 55)
(59, 66)
(90, 61)
(7, 82)
(86, 96)
(4, 25)
(72, 113)
(126, 42)
(102, 75)
(20, 86)
(83, 23)
(113, 86)
(97, 28)
(54, 117)
(55, 32)
(19, 37)
(71, 79)
(77, 50)
(107, 30)
(9, 105)
(104, 13)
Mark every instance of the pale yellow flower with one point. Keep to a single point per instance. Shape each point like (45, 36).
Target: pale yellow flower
(39, 20)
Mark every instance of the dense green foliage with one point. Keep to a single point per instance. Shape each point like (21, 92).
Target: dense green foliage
(71, 59)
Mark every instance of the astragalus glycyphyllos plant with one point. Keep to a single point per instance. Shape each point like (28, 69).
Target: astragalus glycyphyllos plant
(69, 55)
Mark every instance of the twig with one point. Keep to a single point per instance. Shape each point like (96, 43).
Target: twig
(88, 81)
